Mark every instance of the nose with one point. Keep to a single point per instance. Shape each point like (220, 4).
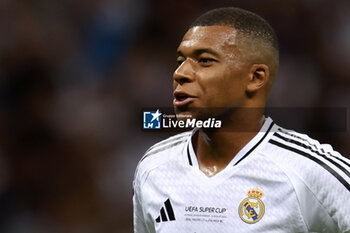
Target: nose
(184, 73)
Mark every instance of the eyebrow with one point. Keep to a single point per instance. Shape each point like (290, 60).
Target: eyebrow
(199, 51)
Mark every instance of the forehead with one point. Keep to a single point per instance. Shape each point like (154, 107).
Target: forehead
(214, 37)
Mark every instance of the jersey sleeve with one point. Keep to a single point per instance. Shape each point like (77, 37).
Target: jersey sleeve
(320, 177)
(139, 223)
(337, 202)
(326, 206)
(324, 202)
(332, 187)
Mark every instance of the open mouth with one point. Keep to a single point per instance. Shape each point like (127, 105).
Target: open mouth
(182, 98)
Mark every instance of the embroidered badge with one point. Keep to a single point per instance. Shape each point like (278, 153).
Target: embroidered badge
(252, 209)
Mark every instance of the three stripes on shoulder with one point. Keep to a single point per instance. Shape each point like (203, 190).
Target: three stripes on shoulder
(311, 149)
(167, 143)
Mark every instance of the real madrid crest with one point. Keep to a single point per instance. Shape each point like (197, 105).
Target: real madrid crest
(252, 209)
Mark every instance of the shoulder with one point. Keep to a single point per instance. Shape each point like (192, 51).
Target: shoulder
(162, 152)
(319, 174)
(310, 159)
(167, 144)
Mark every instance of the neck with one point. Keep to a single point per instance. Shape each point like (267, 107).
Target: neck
(216, 148)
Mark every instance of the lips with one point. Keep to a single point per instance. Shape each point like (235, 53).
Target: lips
(182, 98)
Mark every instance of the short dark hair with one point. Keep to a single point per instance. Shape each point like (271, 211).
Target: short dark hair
(245, 22)
(248, 24)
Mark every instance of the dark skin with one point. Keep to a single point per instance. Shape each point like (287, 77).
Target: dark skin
(216, 70)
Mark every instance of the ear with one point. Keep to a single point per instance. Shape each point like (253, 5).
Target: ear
(258, 77)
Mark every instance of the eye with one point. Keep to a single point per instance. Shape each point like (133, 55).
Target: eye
(179, 60)
(206, 60)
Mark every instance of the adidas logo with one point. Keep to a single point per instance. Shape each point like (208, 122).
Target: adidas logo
(169, 215)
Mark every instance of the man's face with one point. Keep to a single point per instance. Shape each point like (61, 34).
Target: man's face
(212, 72)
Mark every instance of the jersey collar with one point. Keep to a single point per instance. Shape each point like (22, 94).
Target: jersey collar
(252, 145)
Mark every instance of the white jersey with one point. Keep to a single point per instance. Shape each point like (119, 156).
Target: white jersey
(281, 181)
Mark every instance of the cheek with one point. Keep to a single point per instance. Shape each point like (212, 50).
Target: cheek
(215, 89)
(227, 89)
(221, 80)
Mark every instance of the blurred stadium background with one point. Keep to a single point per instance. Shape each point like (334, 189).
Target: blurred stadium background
(74, 76)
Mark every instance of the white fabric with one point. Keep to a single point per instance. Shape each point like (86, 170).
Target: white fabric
(302, 191)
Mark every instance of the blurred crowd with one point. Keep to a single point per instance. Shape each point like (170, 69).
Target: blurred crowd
(75, 75)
